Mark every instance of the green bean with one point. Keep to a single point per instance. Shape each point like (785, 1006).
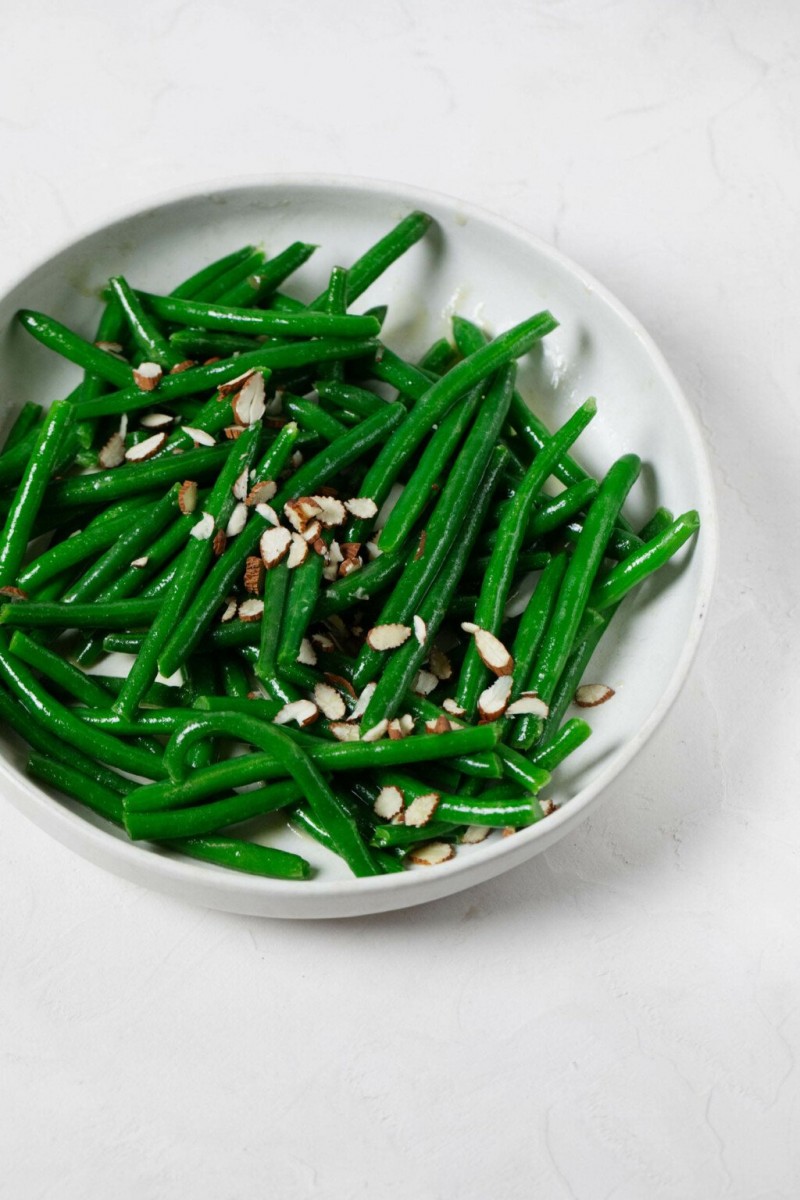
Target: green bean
(660, 520)
(500, 573)
(44, 710)
(194, 561)
(361, 585)
(16, 531)
(459, 810)
(246, 320)
(551, 512)
(83, 687)
(550, 753)
(534, 621)
(328, 756)
(224, 281)
(235, 681)
(194, 287)
(74, 550)
(24, 423)
(161, 695)
(212, 592)
(399, 672)
(324, 802)
(310, 416)
(205, 343)
(403, 836)
(201, 379)
(120, 614)
(300, 608)
(346, 395)
(438, 358)
(118, 482)
(262, 282)
(147, 721)
(446, 519)
(70, 345)
(148, 337)
(631, 571)
(518, 768)
(199, 678)
(276, 587)
(432, 463)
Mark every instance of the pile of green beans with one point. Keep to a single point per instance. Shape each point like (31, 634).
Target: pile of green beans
(287, 560)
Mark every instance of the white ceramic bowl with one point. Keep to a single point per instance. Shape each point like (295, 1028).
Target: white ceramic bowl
(483, 267)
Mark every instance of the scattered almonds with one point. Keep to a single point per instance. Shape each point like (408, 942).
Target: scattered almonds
(248, 404)
(439, 663)
(528, 704)
(13, 593)
(299, 512)
(301, 711)
(298, 551)
(331, 510)
(493, 701)
(220, 542)
(233, 385)
(156, 420)
(187, 496)
(407, 723)
(420, 630)
(589, 695)
(329, 702)
(237, 520)
(113, 453)
(421, 809)
(548, 807)
(274, 544)
(374, 550)
(180, 367)
(199, 436)
(261, 493)
(340, 682)
(343, 731)
(110, 347)
(438, 724)
(267, 513)
(232, 432)
(452, 706)
(138, 563)
(229, 612)
(474, 834)
(251, 610)
(241, 485)
(492, 651)
(323, 642)
(388, 637)
(254, 572)
(349, 566)
(376, 732)
(424, 683)
(307, 655)
(204, 529)
(423, 537)
(147, 376)
(146, 449)
(362, 702)
(431, 854)
(388, 803)
(362, 507)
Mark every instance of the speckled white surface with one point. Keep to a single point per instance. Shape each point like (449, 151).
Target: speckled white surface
(618, 1019)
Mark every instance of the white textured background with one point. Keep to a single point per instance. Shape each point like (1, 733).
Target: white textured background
(617, 1020)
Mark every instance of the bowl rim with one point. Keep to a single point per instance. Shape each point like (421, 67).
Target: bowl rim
(80, 834)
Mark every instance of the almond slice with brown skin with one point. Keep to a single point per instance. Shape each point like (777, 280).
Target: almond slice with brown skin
(110, 348)
(494, 654)
(438, 725)
(261, 493)
(113, 453)
(199, 436)
(237, 519)
(331, 511)
(254, 572)
(341, 683)
(548, 807)
(220, 542)
(234, 385)
(229, 611)
(274, 545)
(388, 637)
(474, 834)
(185, 365)
(251, 610)
(307, 655)
(421, 809)
(204, 528)
(349, 566)
(589, 695)
(376, 732)
(146, 449)
(323, 642)
(420, 630)
(147, 376)
(156, 420)
(9, 592)
(362, 507)
(303, 712)
(362, 702)
(431, 854)
(394, 730)
(248, 404)
(373, 550)
(528, 704)
(493, 700)
(388, 803)
(343, 731)
(139, 563)
(329, 702)
(453, 707)
(424, 683)
(241, 486)
(299, 512)
(187, 496)
(298, 551)
(439, 663)
(267, 513)
(407, 724)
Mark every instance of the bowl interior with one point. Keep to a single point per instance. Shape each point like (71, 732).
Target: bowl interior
(479, 266)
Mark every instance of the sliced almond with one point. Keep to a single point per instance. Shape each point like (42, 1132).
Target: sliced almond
(423, 537)
(424, 683)
(232, 432)
(528, 704)
(493, 700)
(362, 702)
(395, 730)
(147, 376)
(9, 592)
(350, 549)
(139, 563)
(548, 807)
(388, 637)
(237, 520)
(331, 511)
(299, 512)
(420, 630)
(343, 731)
(374, 550)
(329, 702)
(248, 404)
(303, 712)
(421, 809)
(261, 493)
(362, 507)
(307, 655)
(493, 653)
(439, 663)
(113, 453)
(388, 803)
(349, 566)
(234, 385)
(274, 545)
(589, 695)
(298, 551)
(474, 834)
(267, 513)
(254, 572)
(220, 542)
(452, 706)
(185, 365)
(340, 682)
(146, 449)
(323, 642)
(199, 436)
(311, 532)
(187, 496)
(431, 854)
(335, 552)
(296, 460)
(229, 611)
(110, 348)
(376, 732)
(204, 528)
(407, 723)
(438, 724)
(241, 486)
(156, 420)
(251, 610)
